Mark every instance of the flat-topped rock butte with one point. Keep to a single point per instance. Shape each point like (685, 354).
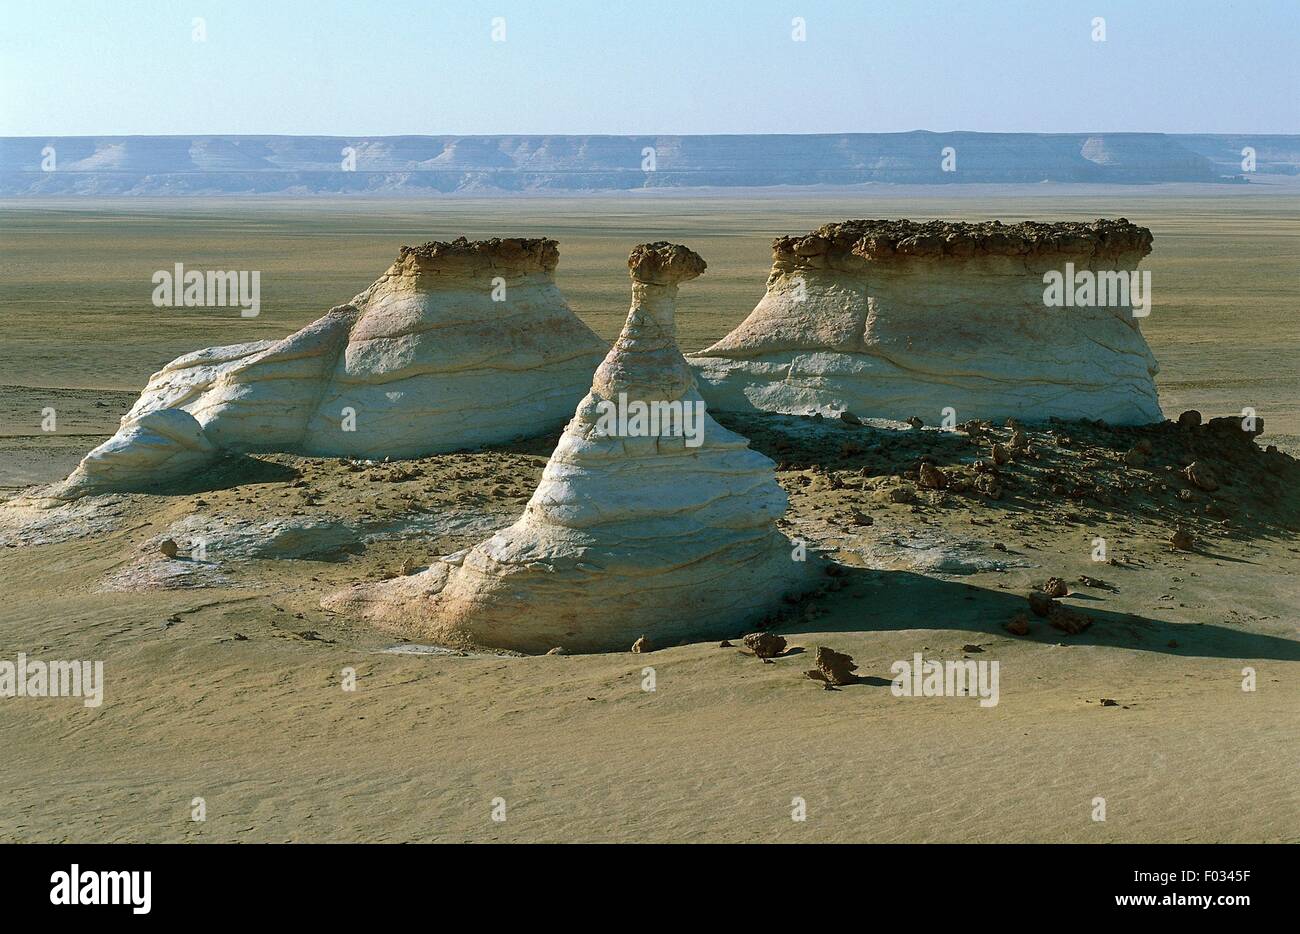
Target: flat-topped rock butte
(892, 318)
(457, 345)
(628, 534)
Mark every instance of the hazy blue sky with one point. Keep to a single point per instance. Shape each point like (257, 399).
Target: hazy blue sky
(607, 66)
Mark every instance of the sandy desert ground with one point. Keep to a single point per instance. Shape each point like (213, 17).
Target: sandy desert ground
(225, 678)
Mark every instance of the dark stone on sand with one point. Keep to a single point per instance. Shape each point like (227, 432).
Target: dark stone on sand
(1040, 604)
(836, 667)
(765, 644)
(1056, 587)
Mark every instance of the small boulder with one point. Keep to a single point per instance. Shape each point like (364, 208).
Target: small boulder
(1056, 587)
(1040, 604)
(835, 667)
(1183, 539)
(765, 644)
(1019, 625)
(1201, 476)
(1234, 425)
(1190, 419)
(641, 646)
(1068, 620)
(931, 478)
(169, 548)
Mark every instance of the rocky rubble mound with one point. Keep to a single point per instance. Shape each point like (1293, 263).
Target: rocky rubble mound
(874, 488)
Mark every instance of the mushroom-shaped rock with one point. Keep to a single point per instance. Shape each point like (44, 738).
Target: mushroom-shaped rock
(891, 318)
(457, 345)
(651, 519)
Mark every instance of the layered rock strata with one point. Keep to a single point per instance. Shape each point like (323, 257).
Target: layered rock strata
(890, 319)
(456, 345)
(664, 531)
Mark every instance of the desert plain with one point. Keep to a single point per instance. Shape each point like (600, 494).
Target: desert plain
(224, 678)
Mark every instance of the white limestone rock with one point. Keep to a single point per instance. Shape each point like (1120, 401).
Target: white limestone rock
(155, 448)
(457, 345)
(890, 319)
(628, 533)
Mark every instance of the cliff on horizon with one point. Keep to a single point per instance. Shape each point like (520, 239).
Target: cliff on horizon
(330, 165)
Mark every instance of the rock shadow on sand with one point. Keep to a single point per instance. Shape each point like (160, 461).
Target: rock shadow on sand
(897, 601)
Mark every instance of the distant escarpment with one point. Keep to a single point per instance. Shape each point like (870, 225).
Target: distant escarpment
(329, 165)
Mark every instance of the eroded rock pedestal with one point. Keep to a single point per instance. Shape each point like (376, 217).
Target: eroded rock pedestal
(890, 319)
(666, 534)
(456, 345)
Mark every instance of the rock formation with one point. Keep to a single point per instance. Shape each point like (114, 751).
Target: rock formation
(640, 527)
(891, 318)
(456, 345)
